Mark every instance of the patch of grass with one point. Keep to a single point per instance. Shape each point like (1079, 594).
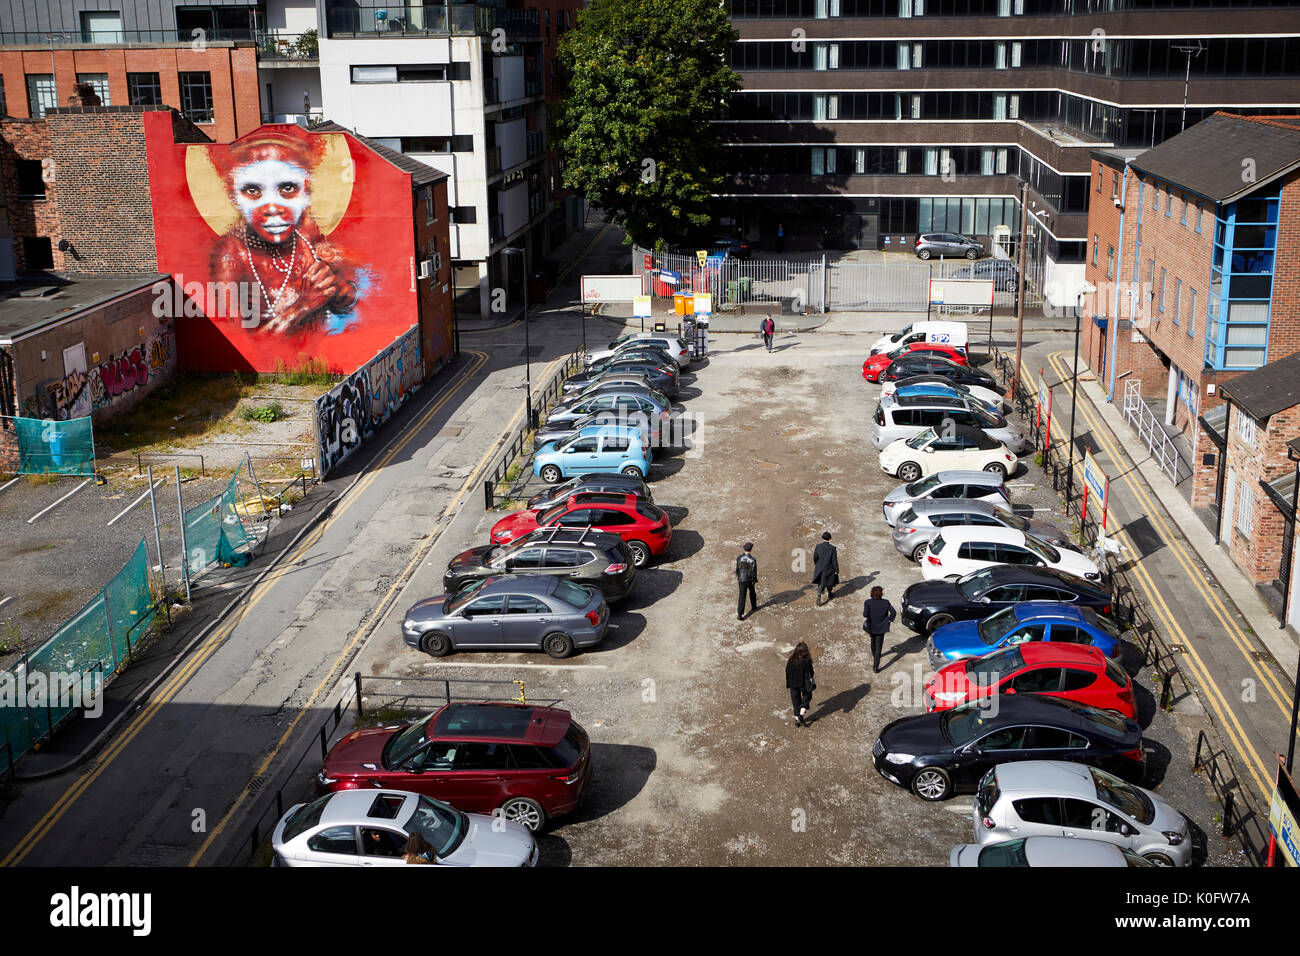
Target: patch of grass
(9, 639)
(388, 714)
(45, 479)
(513, 471)
(510, 504)
(189, 406)
(47, 604)
(307, 371)
(270, 412)
(188, 474)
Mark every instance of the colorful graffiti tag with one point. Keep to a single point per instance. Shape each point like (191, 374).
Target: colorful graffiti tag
(352, 410)
(104, 383)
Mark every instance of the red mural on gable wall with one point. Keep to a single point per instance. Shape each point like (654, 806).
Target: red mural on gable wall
(288, 245)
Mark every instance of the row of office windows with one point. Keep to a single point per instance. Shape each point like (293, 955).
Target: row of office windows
(826, 9)
(142, 89)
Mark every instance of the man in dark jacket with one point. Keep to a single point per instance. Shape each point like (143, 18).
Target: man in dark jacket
(746, 577)
(768, 328)
(877, 613)
(826, 568)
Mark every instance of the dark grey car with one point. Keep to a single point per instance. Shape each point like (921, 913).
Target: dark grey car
(597, 558)
(947, 244)
(921, 523)
(595, 482)
(523, 612)
(658, 376)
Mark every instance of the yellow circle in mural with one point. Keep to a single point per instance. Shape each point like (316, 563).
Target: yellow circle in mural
(331, 185)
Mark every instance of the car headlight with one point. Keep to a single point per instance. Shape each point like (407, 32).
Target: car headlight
(899, 758)
(1175, 839)
(949, 696)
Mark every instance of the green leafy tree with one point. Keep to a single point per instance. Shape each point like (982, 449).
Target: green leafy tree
(646, 78)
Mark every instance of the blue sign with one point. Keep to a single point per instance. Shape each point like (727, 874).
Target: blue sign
(669, 278)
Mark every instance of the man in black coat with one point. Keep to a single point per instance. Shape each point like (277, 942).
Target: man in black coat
(746, 577)
(826, 568)
(877, 614)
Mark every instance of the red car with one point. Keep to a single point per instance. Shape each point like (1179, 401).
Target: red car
(642, 525)
(1077, 672)
(875, 364)
(531, 763)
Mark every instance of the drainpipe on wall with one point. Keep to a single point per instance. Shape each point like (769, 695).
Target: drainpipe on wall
(1119, 272)
(1223, 469)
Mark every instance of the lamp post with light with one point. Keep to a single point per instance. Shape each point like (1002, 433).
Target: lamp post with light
(528, 375)
(1085, 289)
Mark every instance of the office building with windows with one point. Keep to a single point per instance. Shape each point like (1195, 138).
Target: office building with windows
(863, 123)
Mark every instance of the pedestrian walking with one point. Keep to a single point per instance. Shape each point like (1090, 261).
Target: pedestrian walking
(746, 577)
(877, 613)
(799, 681)
(826, 568)
(767, 328)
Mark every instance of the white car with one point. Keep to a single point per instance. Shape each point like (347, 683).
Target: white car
(1045, 851)
(371, 827)
(960, 549)
(1031, 798)
(670, 344)
(959, 448)
(940, 385)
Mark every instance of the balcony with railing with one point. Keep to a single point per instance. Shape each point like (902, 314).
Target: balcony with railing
(308, 119)
(76, 38)
(381, 20)
(288, 49)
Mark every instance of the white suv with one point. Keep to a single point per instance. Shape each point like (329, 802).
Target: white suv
(961, 549)
(962, 447)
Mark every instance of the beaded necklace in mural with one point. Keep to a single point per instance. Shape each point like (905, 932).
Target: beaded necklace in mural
(273, 303)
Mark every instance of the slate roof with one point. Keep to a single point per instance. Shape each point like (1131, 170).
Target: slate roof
(1207, 158)
(1267, 390)
(421, 173)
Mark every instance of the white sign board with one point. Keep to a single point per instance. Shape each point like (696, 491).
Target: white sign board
(961, 291)
(703, 303)
(611, 288)
(641, 307)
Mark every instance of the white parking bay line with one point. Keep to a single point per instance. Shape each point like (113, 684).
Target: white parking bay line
(4, 601)
(136, 502)
(524, 667)
(10, 482)
(60, 501)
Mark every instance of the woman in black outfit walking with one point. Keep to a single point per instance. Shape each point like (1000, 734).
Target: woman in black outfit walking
(877, 614)
(799, 680)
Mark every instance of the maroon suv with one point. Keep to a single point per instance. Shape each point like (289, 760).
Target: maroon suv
(530, 763)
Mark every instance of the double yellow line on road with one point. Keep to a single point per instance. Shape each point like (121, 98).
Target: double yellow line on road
(1257, 767)
(182, 675)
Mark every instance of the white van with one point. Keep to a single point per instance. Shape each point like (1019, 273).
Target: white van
(940, 333)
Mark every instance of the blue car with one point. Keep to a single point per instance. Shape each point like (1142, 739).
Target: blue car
(937, 389)
(1030, 621)
(604, 448)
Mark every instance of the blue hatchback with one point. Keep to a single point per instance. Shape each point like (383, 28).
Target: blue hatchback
(932, 389)
(1031, 621)
(604, 448)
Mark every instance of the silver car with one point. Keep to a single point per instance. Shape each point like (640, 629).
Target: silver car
(523, 612)
(947, 244)
(954, 483)
(1057, 798)
(1045, 851)
(900, 417)
(668, 344)
(922, 521)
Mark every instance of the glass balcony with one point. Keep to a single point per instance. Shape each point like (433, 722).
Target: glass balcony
(352, 20)
(288, 48)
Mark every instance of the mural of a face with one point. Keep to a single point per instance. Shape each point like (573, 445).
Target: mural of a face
(272, 196)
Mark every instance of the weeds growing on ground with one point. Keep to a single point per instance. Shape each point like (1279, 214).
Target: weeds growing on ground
(270, 412)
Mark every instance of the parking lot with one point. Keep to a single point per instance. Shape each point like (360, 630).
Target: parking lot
(697, 760)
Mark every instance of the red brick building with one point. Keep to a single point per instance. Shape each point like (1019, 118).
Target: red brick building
(214, 86)
(1193, 247)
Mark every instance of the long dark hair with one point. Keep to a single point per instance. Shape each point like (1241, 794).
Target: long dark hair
(800, 654)
(417, 845)
(877, 593)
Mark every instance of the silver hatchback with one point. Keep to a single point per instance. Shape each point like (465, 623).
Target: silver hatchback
(953, 483)
(922, 521)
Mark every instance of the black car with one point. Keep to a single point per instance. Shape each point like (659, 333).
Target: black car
(913, 363)
(664, 379)
(595, 483)
(582, 556)
(931, 604)
(946, 752)
(630, 383)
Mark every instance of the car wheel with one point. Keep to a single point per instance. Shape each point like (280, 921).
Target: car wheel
(923, 254)
(972, 253)
(996, 469)
(558, 644)
(640, 553)
(1159, 859)
(435, 644)
(931, 784)
(525, 811)
(920, 551)
(551, 474)
(634, 471)
(908, 471)
(937, 621)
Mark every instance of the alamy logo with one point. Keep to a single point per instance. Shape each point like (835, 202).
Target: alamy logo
(76, 909)
(59, 690)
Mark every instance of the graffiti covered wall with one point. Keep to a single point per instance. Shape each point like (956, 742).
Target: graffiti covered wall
(355, 408)
(286, 245)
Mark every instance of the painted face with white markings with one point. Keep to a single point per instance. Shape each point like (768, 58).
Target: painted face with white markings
(272, 195)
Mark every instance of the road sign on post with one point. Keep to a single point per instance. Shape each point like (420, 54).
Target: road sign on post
(702, 255)
(1096, 483)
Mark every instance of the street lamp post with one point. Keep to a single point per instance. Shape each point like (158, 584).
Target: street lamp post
(528, 374)
(1295, 702)
(1084, 289)
(1189, 50)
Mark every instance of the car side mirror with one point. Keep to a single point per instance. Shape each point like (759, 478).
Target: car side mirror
(929, 450)
(1126, 830)
(985, 599)
(1008, 690)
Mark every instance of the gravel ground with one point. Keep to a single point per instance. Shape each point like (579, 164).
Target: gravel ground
(697, 759)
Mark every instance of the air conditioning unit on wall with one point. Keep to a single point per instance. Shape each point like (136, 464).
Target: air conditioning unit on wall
(426, 269)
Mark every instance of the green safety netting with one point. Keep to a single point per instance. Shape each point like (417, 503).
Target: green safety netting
(49, 447)
(84, 653)
(214, 532)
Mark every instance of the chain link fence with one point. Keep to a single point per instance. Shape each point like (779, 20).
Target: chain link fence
(43, 446)
(215, 531)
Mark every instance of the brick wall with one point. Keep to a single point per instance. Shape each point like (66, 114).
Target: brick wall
(236, 103)
(28, 140)
(1284, 323)
(1258, 551)
(436, 341)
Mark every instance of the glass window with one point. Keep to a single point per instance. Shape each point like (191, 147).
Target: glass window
(527, 558)
(1191, 311)
(1036, 681)
(42, 94)
(482, 756)
(526, 757)
(1110, 262)
(196, 96)
(523, 604)
(381, 841)
(1200, 213)
(101, 27)
(1076, 679)
(334, 840)
(566, 558)
(31, 178)
(1009, 738)
(1052, 738)
(1178, 295)
(143, 89)
(98, 83)
(1160, 302)
(1045, 810)
(1086, 815)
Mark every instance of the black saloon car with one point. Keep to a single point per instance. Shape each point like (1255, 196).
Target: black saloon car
(662, 377)
(594, 482)
(913, 363)
(931, 604)
(936, 755)
(584, 557)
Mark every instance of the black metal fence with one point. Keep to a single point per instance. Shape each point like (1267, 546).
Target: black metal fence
(1156, 651)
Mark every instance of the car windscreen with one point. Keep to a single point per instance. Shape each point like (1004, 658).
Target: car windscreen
(1104, 722)
(996, 626)
(965, 722)
(458, 602)
(991, 668)
(1100, 623)
(305, 817)
(918, 488)
(1011, 520)
(907, 517)
(405, 742)
(443, 826)
(1011, 853)
(972, 585)
(921, 438)
(550, 514)
(1122, 796)
(574, 595)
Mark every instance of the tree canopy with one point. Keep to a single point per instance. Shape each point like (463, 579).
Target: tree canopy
(646, 78)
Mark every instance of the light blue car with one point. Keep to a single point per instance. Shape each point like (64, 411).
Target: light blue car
(596, 448)
(940, 389)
